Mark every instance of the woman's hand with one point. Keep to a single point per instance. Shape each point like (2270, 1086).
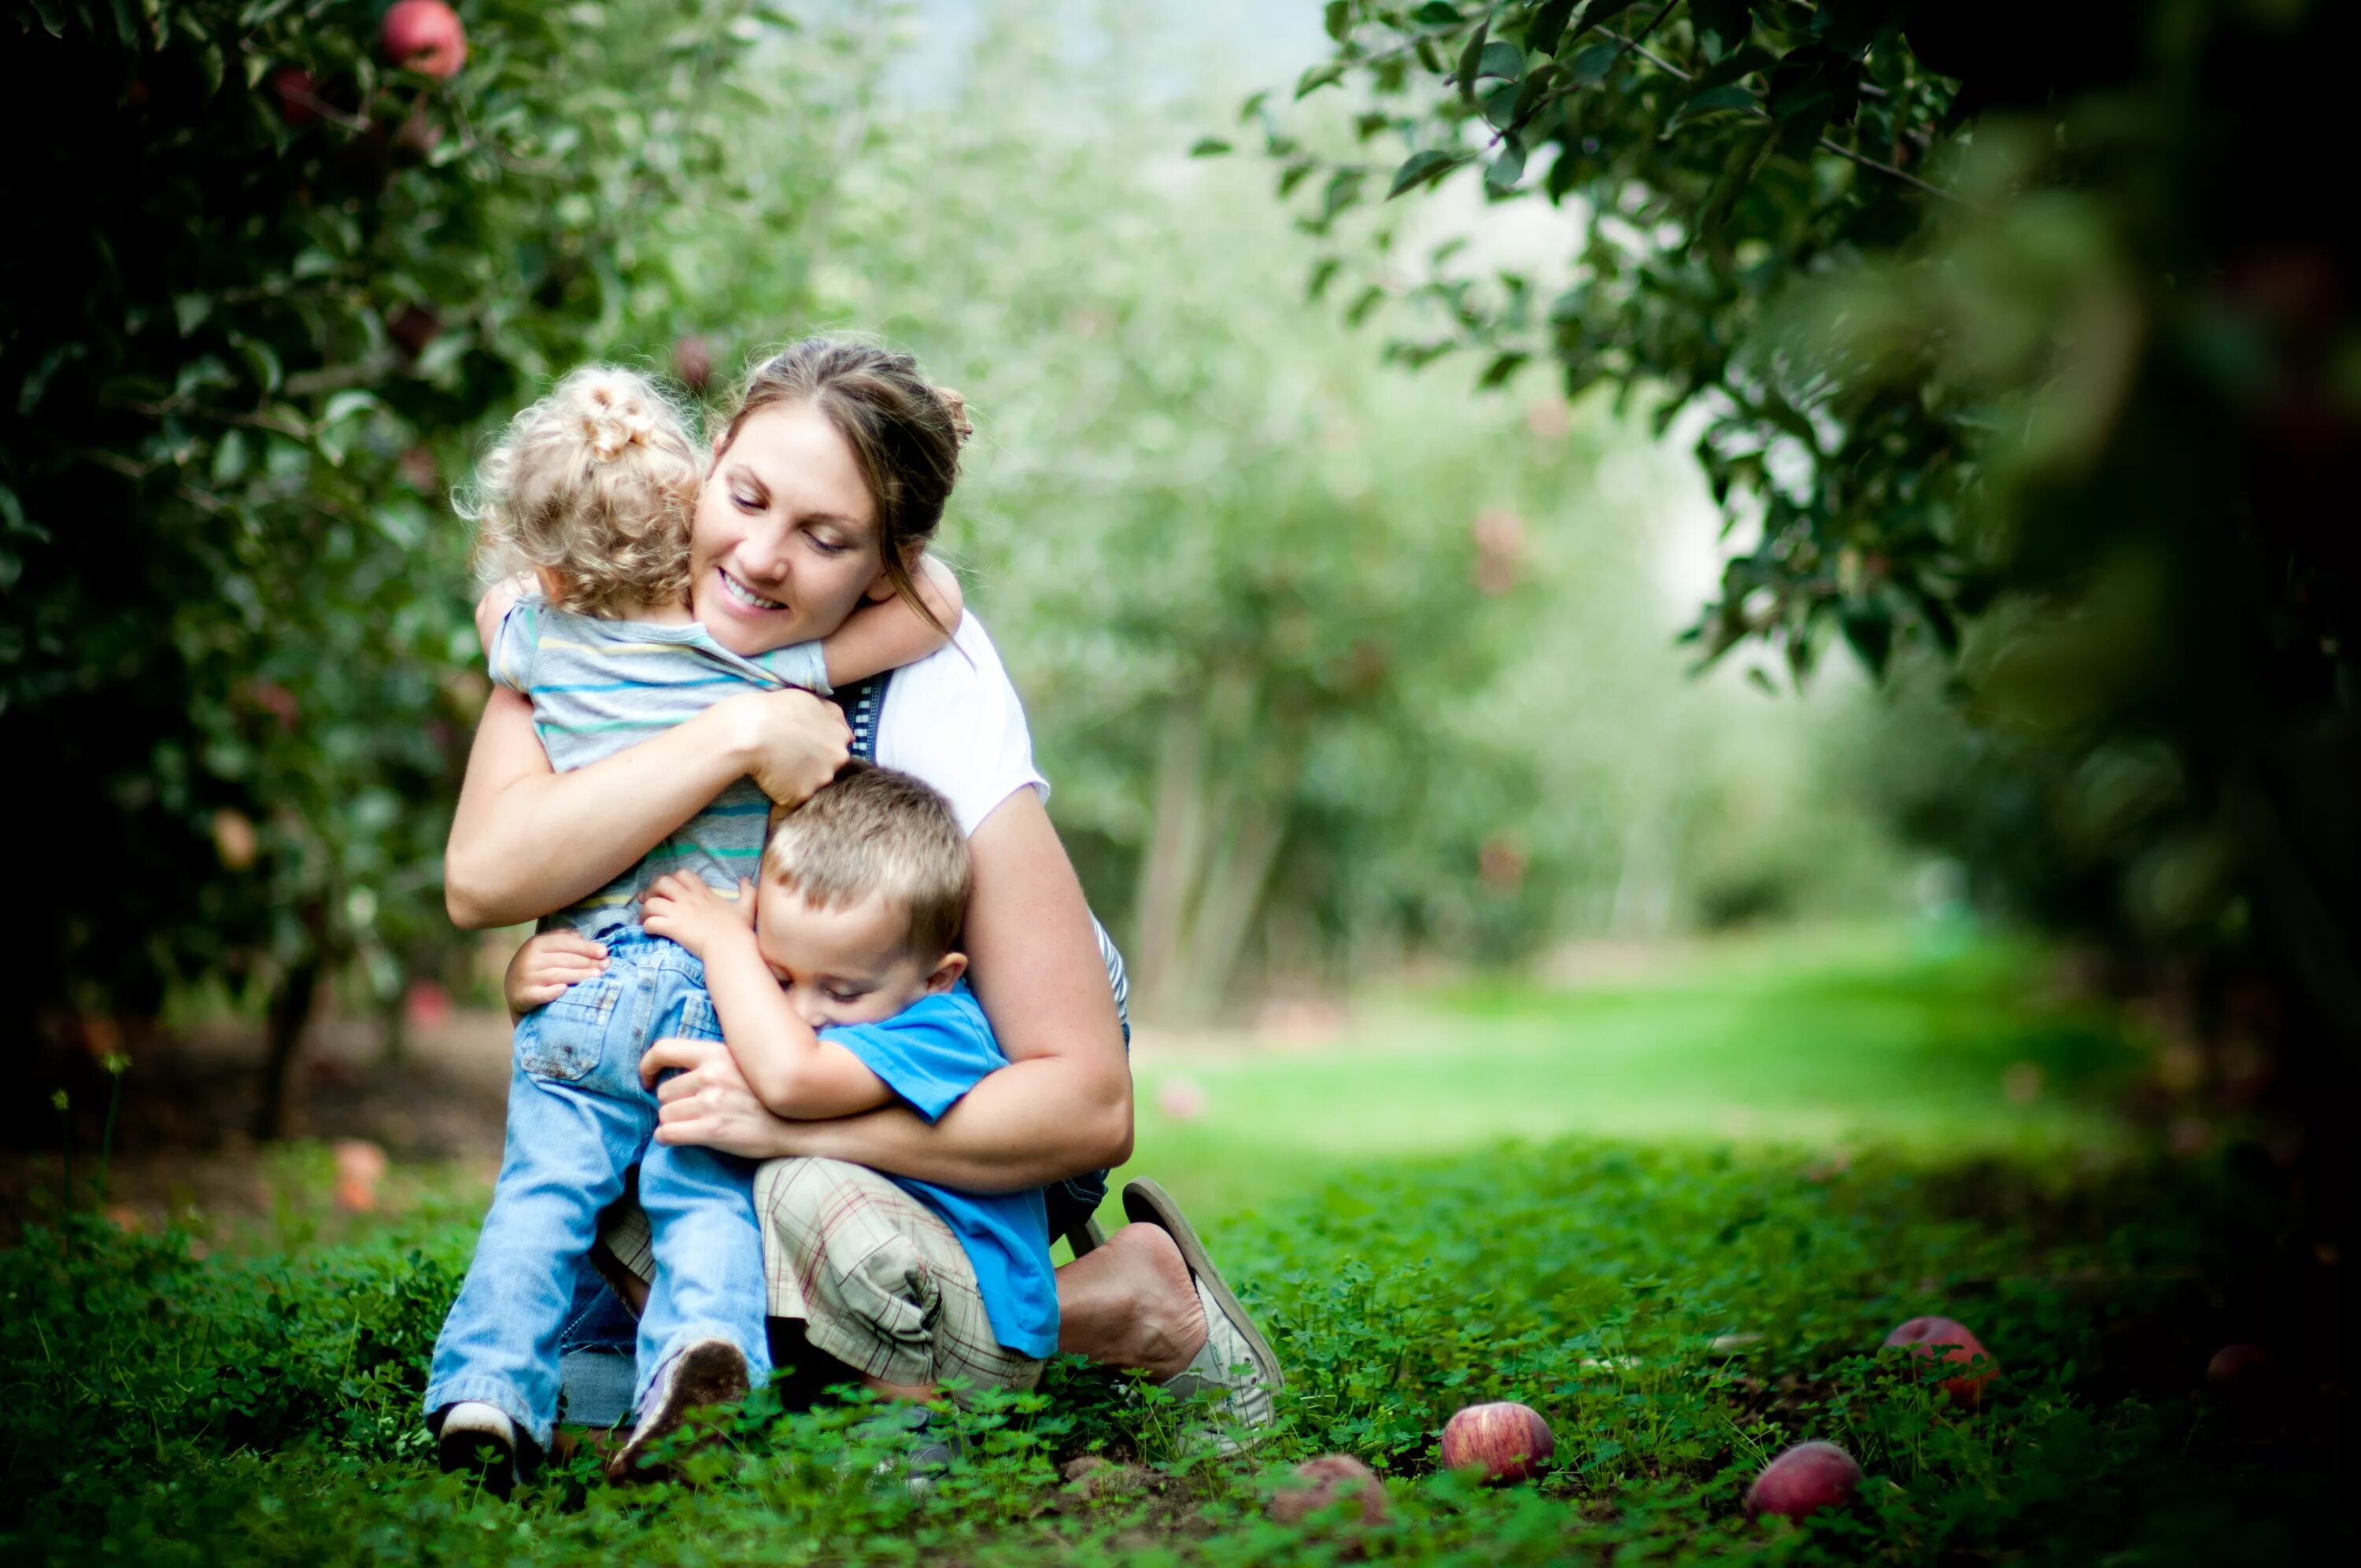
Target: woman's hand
(791, 742)
(706, 1102)
(546, 965)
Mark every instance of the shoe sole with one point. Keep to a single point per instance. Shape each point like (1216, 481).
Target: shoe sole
(1145, 1203)
(709, 1374)
(481, 1455)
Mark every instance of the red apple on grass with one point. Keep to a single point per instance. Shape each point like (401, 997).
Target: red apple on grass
(1506, 1441)
(1807, 1478)
(1925, 1335)
(2238, 1369)
(1323, 1482)
(424, 35)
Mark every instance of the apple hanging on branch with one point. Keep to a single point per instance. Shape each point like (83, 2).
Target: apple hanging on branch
(424, 35)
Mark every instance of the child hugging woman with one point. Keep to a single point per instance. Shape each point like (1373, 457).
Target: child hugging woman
(586, 502)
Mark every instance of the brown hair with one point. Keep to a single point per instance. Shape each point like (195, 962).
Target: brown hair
(877, 831)
(904, 433)
(594, 487)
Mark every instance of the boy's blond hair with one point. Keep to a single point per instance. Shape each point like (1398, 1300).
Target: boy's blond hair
(594, 487)
(877, 831)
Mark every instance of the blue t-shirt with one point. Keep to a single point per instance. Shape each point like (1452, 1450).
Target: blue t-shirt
(930, 1054)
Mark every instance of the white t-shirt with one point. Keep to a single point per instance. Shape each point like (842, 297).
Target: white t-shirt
(953, 719)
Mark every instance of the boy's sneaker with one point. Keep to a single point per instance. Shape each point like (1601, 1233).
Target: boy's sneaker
(479, 1439)
(709, 1371)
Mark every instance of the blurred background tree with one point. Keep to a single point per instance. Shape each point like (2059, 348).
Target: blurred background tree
(2018, 349)
(287, 263)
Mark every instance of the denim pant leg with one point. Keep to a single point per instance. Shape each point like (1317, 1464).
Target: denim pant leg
(567, 1150)
(708, 1249)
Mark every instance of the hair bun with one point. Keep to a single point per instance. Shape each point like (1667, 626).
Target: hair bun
(614, 416)
(956, 406)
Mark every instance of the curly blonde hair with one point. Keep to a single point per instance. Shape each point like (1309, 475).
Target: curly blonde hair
(593, 488)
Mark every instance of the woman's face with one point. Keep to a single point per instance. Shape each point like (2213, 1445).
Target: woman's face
(784, 545)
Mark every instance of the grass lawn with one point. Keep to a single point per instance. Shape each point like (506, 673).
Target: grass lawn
(1676, 1214)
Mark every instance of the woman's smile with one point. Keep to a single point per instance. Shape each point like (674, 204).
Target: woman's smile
(737, 593)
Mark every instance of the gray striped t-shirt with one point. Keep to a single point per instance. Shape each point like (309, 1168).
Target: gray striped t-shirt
(602, 686)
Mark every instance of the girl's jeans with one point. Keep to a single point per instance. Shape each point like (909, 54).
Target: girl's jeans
(577, 1121)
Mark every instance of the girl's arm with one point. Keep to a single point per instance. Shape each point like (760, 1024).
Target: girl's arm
(1062, 1105)
(527, 841)
(889, 634)
(790, 1070)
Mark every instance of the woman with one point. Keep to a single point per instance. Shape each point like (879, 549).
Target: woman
(828, 481)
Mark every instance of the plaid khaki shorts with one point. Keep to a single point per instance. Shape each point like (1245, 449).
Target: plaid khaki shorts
(877, 1280)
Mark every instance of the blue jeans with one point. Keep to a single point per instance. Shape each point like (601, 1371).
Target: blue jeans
(577, 1121)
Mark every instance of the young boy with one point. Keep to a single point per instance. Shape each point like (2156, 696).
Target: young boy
(846, 994)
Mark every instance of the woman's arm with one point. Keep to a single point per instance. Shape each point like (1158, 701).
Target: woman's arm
(527, 841)
(1062, 1105)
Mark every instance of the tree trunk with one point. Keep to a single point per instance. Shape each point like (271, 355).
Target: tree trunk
(290, 1017)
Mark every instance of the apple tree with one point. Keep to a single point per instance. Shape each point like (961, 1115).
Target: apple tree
(2015, 342)
(277, 265)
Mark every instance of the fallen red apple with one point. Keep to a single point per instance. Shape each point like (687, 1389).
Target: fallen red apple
(1807, 1478)
(1323, 1482)
(1506, 1441)
(692, 361)
(1925, 1335)
(2236, 1368)
(424, 35)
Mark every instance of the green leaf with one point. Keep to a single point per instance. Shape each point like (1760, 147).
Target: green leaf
(1209, 146)
(1549, 21)
(190, 311)
(1530, 95)
(345, 404)
(1338, 19)
(1737, 62)
(1504, 61)
(1507, 169)
(1323, 272)
(53, 18)
(1733, 96)
(1598, 11)
(1590, 66)
(1472, 57)
(1436, 14)
(1420, 167)
(1728, 20)
(1501, 368)
(1319, 76)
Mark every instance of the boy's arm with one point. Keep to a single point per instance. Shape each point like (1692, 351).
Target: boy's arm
(791, 1071)
(787, 1066)
(890, 634)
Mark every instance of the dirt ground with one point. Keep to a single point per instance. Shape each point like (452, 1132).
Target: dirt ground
(182, 1141)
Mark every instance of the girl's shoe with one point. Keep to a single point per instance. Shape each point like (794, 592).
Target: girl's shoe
(479, 1439)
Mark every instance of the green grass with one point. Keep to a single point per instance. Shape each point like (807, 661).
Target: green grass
(1406, 1261)
(1823, 1043)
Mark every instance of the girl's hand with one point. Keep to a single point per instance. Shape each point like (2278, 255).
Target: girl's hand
(706, 1102)
(496, 604)
(546, 965)
(683, 908)
(790, 742)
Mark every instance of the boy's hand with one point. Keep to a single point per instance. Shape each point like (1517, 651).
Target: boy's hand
(683, 908)
(546, 965)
